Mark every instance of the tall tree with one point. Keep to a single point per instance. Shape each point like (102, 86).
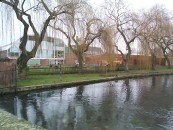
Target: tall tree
(126, 23)
(163, 32)
(107, 41)
(156, 34)
(23, 10)
(81, 28)
(148, 46)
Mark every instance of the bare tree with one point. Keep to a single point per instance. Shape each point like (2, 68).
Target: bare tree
(23, 11)
(163, 32)
(148, 46)
(156, 34)
(126, 23)
(81, 28)
(107, 41)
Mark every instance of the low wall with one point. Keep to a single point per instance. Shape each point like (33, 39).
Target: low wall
(7, 73)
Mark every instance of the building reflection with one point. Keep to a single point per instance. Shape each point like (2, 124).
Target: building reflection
(109, 106)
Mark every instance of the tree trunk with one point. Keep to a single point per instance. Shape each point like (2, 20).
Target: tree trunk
(126, 64)
(168, 61)
(80, 60)
(127, 59)
(22, 64)
(153, 62)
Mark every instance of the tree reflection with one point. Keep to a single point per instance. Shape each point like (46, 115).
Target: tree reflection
(125, 104)
(128, 91)
(153, 81)
(79, 92)
(155, 105)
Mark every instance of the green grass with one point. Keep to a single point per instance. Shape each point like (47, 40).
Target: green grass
(55, 78)
(52, 79)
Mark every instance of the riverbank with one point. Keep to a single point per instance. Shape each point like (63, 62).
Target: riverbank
(11, 122)
(68, 80)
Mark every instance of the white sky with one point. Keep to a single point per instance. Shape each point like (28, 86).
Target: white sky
(140, 4)
(133, 4)
(137, 5)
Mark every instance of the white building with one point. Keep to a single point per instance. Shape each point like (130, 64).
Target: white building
(51, 51)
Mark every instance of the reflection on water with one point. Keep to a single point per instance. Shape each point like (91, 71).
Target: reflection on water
(128, 104)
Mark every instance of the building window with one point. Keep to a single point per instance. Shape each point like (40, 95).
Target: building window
(59, 54)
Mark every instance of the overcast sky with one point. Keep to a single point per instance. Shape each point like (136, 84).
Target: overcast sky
(140, 4)
(133, 4)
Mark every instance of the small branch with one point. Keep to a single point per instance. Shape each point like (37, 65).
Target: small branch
(46, 7)
(23, 5)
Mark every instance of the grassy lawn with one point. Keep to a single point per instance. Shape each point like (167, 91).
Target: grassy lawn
(55, 78)
(51, 79)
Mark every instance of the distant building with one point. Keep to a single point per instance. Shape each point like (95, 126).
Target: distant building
(51, 51)
(94, 51)
(71, 59)
(10, 51)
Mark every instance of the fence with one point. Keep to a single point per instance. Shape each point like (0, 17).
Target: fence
(8, 78)
(71, 70)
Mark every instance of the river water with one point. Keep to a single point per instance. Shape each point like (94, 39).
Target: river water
(130, 104)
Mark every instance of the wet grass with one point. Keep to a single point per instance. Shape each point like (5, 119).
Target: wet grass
(52, 79)
(56, 78)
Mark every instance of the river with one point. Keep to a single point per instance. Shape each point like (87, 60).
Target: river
(129, 104)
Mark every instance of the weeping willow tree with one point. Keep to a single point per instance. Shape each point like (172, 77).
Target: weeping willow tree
(156, 35)
(107, 41)
(126, 23)
(6, 23)
(25, 12)
(81, 28)
(163, 32)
